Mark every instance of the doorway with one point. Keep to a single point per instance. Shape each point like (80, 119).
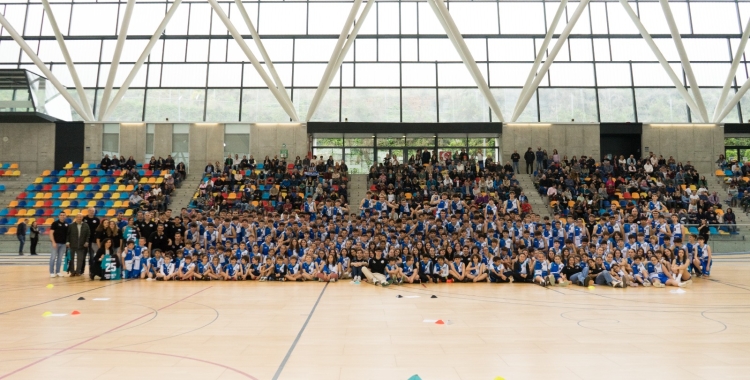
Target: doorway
(620, 145)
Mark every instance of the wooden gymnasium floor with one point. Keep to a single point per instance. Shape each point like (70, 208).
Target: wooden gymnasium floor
(219, 330)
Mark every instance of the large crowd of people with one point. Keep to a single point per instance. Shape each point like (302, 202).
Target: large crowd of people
(435, 218)
(148, 197)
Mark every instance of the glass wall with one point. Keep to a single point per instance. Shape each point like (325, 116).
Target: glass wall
(401, 68)
(181, 144)
(149, 141)
(111, 140)
(361, 151)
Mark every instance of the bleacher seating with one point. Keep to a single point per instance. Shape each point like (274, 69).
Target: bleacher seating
(9, 170)
(74, 190)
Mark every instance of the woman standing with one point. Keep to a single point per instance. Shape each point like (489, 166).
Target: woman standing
(34, 236)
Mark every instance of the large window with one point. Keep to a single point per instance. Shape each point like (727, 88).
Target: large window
(361, 151)
(181, 144)
(237, 139)
(111, 140)
(401, 67)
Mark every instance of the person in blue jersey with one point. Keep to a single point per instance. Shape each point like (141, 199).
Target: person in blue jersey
(230, 270)
(309, 269)
(497, 272)
(556, 276)
(167, 271)
(293, 270)
(457, 270)
(703, 258)
(393, 272)
(215, 269)
(129, 256)
(639, 272)
(680, 265)
(186, 271)
(657, 274)
(476, 270)
(410, 272)
(267, 268)
(541, 270)
(253, 270)
(202, 268)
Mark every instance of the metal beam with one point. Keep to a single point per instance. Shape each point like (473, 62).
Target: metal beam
(733, 102)
(524, 100)
(68, 61)
(732, 71)
(325, 81)
(264, 54)
(660, 57)
(155, 37)
(455, 36)
(287, 106)
(684, 59)
(47, 72)
(543, 48)
(116, 57)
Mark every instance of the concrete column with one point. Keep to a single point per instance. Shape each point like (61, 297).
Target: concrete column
(31, 146)
(206, 144)
(133, 140)
(162, 140)
(93, 142)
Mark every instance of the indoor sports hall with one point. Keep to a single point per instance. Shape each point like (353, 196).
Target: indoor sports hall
(362, 189)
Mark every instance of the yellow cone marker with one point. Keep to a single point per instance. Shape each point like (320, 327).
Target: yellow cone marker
(47, 314)
(499, 378)
(50, 286)
(591, 287)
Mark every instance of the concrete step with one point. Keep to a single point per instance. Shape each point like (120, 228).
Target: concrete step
(26, 259)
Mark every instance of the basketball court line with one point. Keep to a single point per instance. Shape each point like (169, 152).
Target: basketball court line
(96, 336)
(294, 344)
(59, 298)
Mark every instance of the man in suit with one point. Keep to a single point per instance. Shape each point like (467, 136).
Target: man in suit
(78, 242)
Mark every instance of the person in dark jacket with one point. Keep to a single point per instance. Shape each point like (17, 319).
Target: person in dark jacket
(515, 157)
(21, 235)
(529, 157)
(539, 158)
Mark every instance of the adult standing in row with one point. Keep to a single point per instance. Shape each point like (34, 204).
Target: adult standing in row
(79, 236)
(515, 157)
(33, 237)
(21, 235)
(93, 223)
(529, 157)
(58, 236)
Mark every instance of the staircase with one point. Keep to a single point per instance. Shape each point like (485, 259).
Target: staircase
(357, 191)
(14, 259)
(184, 194)
(539, 205)
(728, 243)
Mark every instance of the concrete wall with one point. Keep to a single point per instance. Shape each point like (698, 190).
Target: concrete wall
(699, 144)
(569, 139)
(133, 140)
(32, 146)
(93, 142)
(162, 140)
(206, 144)
(267, 140)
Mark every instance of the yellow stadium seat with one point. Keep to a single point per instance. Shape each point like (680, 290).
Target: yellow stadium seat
(91, 204)
(719, 173)
(13, 204)
(104, 188)
(61, 180)
(65, 204)
(38, 180)
(121, 188)
(98, 196)
(84, 166)
(80, 188)
(117, 204)
(13, 166)
(129, 212)
(39, 196)
(159, 180)
(47, 195)
(232, 196)
(16, 173)
(49, 221)
(73, 196)
(693, 188)
(143, 181)
(67, 166)
(85, 173)
(87, 180)
(73, 212)
(115, 196)
(84, 212)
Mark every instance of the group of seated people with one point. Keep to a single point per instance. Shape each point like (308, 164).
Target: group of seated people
(738, 185)
(446, 237)
(282, 186)
(581, 186)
